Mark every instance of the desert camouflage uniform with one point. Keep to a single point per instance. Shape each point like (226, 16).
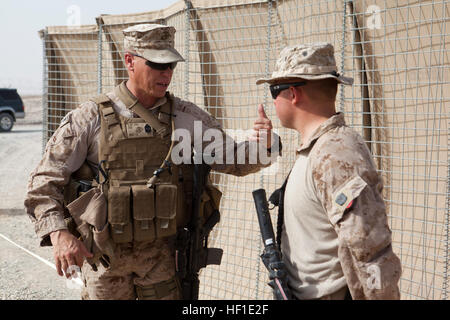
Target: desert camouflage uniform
(76, 140)
(336, 227)
(335, 232)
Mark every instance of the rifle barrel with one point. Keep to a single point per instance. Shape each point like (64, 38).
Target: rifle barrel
(262, 210)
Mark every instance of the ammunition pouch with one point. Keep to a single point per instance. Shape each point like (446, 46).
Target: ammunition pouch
(166, 210)
(119, 214)
(153, 212)
(143, 213)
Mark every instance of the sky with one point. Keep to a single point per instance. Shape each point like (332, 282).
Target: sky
(20, 20)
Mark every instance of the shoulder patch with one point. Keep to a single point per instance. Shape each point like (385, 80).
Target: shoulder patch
(65, 120)
(341, 199)
(344, 197)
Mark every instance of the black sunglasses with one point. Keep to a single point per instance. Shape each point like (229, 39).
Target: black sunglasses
(275, 89)
(157, 66)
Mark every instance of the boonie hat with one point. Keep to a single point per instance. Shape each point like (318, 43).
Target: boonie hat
(306, 61)
(154, 42)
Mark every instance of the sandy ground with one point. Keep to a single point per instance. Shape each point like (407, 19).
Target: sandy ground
(22, 275)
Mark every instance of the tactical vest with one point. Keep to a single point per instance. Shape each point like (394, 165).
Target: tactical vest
(130, 152)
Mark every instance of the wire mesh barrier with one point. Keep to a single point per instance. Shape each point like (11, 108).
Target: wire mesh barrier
(399, 55)
(396, 52)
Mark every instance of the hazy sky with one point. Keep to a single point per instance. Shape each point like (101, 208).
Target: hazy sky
(20, 20)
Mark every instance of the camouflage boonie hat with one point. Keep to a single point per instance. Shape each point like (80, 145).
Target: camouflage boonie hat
(154, 42)
(306, 61)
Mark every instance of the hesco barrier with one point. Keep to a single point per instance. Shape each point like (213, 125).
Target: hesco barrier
(397, 52)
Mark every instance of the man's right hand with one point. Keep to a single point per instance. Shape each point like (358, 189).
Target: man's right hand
(68, 251)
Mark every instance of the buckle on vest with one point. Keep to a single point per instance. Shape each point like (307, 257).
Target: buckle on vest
(102, 172)
(158, 171)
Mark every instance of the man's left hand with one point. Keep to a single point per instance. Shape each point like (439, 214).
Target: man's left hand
(262, 128)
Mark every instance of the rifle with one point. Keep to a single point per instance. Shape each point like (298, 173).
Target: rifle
(271, 255)
(192, 252)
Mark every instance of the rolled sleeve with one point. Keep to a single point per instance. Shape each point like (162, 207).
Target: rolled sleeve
(52, 222)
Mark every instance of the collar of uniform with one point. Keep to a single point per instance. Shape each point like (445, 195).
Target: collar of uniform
(335, 121)
(129, 99)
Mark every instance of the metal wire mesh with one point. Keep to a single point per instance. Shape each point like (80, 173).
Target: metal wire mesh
(70, 64)
(401, 48)
(396, 52)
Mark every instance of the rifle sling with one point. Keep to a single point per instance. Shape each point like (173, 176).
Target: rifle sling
(277, 198)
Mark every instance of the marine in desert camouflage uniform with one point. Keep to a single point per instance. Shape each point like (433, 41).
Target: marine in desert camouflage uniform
(140, 269)
(335, 239)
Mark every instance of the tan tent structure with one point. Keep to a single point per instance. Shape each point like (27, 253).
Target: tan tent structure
(71, 69)
(397, 52)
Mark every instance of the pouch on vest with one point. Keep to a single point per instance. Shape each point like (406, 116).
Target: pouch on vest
(119, 214)
(80, 181)
(143, 213)
(166, 210)
(90, 215)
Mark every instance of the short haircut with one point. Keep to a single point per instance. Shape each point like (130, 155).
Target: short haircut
(321, 90)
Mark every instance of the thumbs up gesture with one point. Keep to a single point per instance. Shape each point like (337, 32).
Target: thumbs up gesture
(262, 128)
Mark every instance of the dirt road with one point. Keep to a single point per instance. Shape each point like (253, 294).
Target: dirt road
(24, 275)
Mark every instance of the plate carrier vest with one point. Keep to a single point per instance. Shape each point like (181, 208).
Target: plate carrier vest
(130, 152)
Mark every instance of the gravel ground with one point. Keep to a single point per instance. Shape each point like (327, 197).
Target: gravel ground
(23, 276)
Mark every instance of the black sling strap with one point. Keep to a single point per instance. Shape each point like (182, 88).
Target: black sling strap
(277, 199)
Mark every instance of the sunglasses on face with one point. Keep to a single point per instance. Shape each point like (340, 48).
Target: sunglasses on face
(275, 89)
(157, 66)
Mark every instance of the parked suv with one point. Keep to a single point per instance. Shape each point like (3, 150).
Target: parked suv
(11, 108)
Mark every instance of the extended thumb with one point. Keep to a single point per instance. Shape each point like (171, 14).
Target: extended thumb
(261, 112)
